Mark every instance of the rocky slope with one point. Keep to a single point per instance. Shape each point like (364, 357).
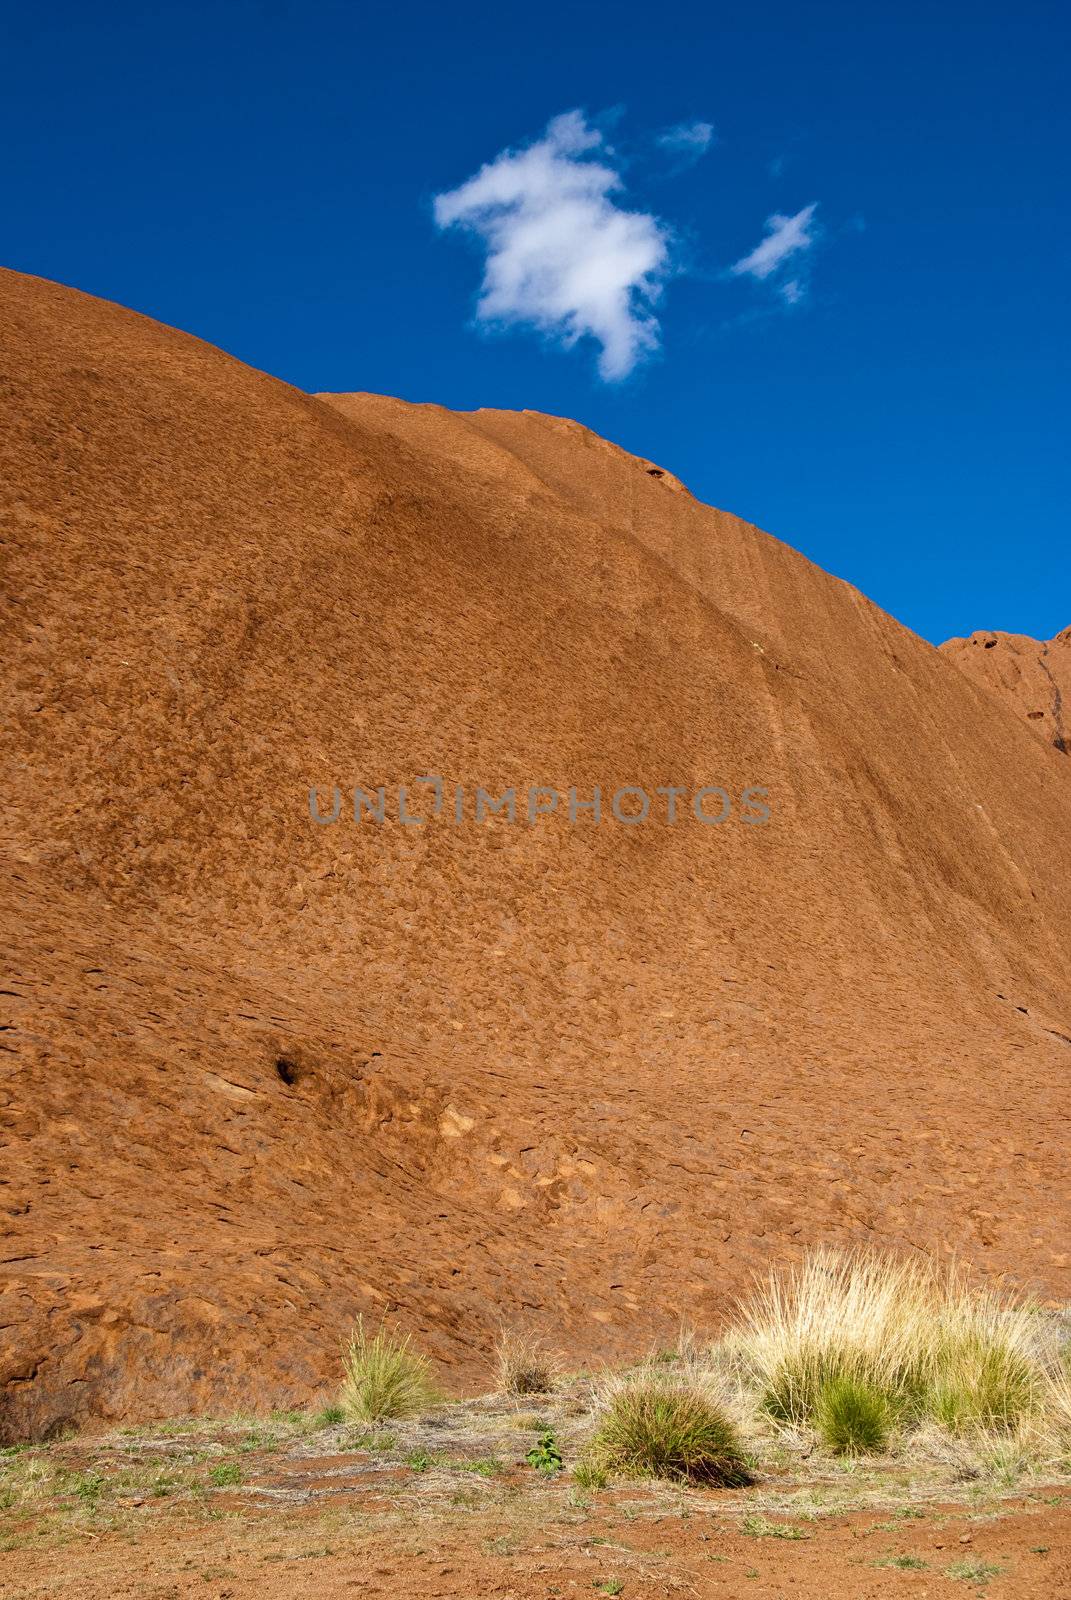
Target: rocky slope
(1032, 676)
(259, 1072)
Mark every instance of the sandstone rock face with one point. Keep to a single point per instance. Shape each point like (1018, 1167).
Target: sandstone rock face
(260, 1072)
(1031, 675)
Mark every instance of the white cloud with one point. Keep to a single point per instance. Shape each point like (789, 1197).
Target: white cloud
(688, 138)
(785, 236)
(562, 255)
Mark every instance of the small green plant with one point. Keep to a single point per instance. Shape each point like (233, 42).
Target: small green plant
(88, 1486)
(262, 1438)
(420, 1461)
(482, 1466)
(852, 1416)
(374, 1440)
(328, 1417)
(545, 1455)
(611, 1586)
(225, 1474)
(586, 1475)
(759, 1528)
(663, 1427)
(384, 1376)
(904, 1563)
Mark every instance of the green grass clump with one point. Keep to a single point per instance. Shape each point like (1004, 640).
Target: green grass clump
(982, 1383)
(973, 1570)
(653, 1426)
(852, 1345)
(384, 1376)
(482, 1466)
(853, 1417)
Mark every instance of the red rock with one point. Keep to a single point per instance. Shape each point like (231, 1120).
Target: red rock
(260, 1074)
(1030, 675)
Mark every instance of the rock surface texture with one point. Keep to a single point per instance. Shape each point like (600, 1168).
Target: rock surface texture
(1033, 676)
(259, 1073)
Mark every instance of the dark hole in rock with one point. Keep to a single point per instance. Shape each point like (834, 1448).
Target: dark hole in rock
(1034, 715)
(655, 472)
(286, 1069)
(989, 644)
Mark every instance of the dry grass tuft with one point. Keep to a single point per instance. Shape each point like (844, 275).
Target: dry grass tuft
(384, 1376)
(523, 1365)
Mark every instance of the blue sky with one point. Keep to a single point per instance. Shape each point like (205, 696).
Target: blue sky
(891, 399)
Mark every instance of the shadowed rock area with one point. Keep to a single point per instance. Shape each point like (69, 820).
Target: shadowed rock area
(259, 1073)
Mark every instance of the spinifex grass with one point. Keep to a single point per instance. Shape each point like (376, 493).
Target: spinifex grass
(384, 1376)
(855, 1344)
(663, 1427)
(852, 1417)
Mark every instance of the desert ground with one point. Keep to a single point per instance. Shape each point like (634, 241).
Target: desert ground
(448, 1506)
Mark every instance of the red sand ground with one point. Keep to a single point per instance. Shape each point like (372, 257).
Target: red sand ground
(598, 1073)
(1030, 674)
(1022, 1552)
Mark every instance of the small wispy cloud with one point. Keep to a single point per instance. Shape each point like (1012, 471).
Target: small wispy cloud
(688, 138)
(785, 237)
(563, 255)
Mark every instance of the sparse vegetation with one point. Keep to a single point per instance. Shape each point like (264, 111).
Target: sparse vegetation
(759, 1527)
(374, 1440)
(482, 1466)
(972, 1409)
(973, 1570)
(384, 1376)
(658, 1426)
